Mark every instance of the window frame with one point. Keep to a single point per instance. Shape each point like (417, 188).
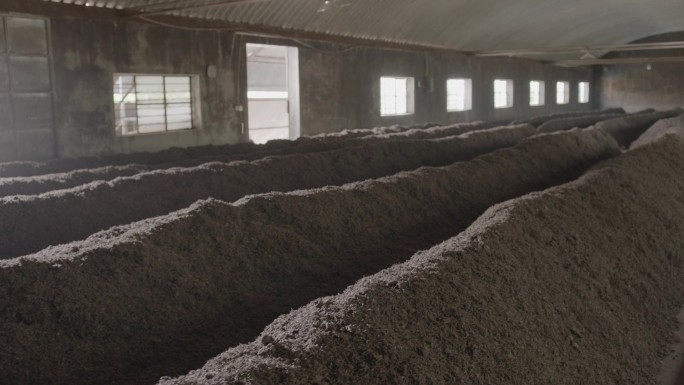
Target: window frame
(510, 86)
(541, 93)
(195, 103)
(583, 96)
(410, 96)
(565, 94)
(467, 95)
(16, 126)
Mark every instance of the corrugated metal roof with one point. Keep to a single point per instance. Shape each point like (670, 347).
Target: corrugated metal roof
(472, 25)
(112, 4)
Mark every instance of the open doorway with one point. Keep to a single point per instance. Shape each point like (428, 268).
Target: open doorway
(272, 92)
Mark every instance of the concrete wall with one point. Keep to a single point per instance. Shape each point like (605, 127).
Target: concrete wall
(88, 53)
(371, 64)
(634, 86)
(339, 86)
(327, 94)
(327, 90)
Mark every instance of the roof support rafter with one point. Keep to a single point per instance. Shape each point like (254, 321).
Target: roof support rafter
(597, 48)
(635, 60)
(284, 33)
(179, 5)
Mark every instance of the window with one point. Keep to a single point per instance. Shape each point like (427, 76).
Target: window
(459, 94)
(146, 104)
(562, 93)
(26, 87)
(503, 93)
(537, 93)
(396, 96)
(584, 92)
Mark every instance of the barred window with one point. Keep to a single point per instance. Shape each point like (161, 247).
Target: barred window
(562, 93)
(396, 96)
(459, 94)
(537, 93)
(146, 104)
(583, 92)
(503, 93)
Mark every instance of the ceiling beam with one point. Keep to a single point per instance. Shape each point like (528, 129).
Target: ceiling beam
(635, 60)
(596, 48)
(292, 34)
(178, 6)
(50, 9)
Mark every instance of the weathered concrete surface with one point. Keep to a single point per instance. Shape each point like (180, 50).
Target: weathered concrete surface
(163, 295)
(338, 89)
(87, 53)
(635, 87)
(101, 205)
(371, 64)
(583, 281)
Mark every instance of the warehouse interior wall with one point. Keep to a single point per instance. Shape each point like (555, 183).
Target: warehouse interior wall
(339, 86)
(87, 54)
(371, 64)
(638, 86)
